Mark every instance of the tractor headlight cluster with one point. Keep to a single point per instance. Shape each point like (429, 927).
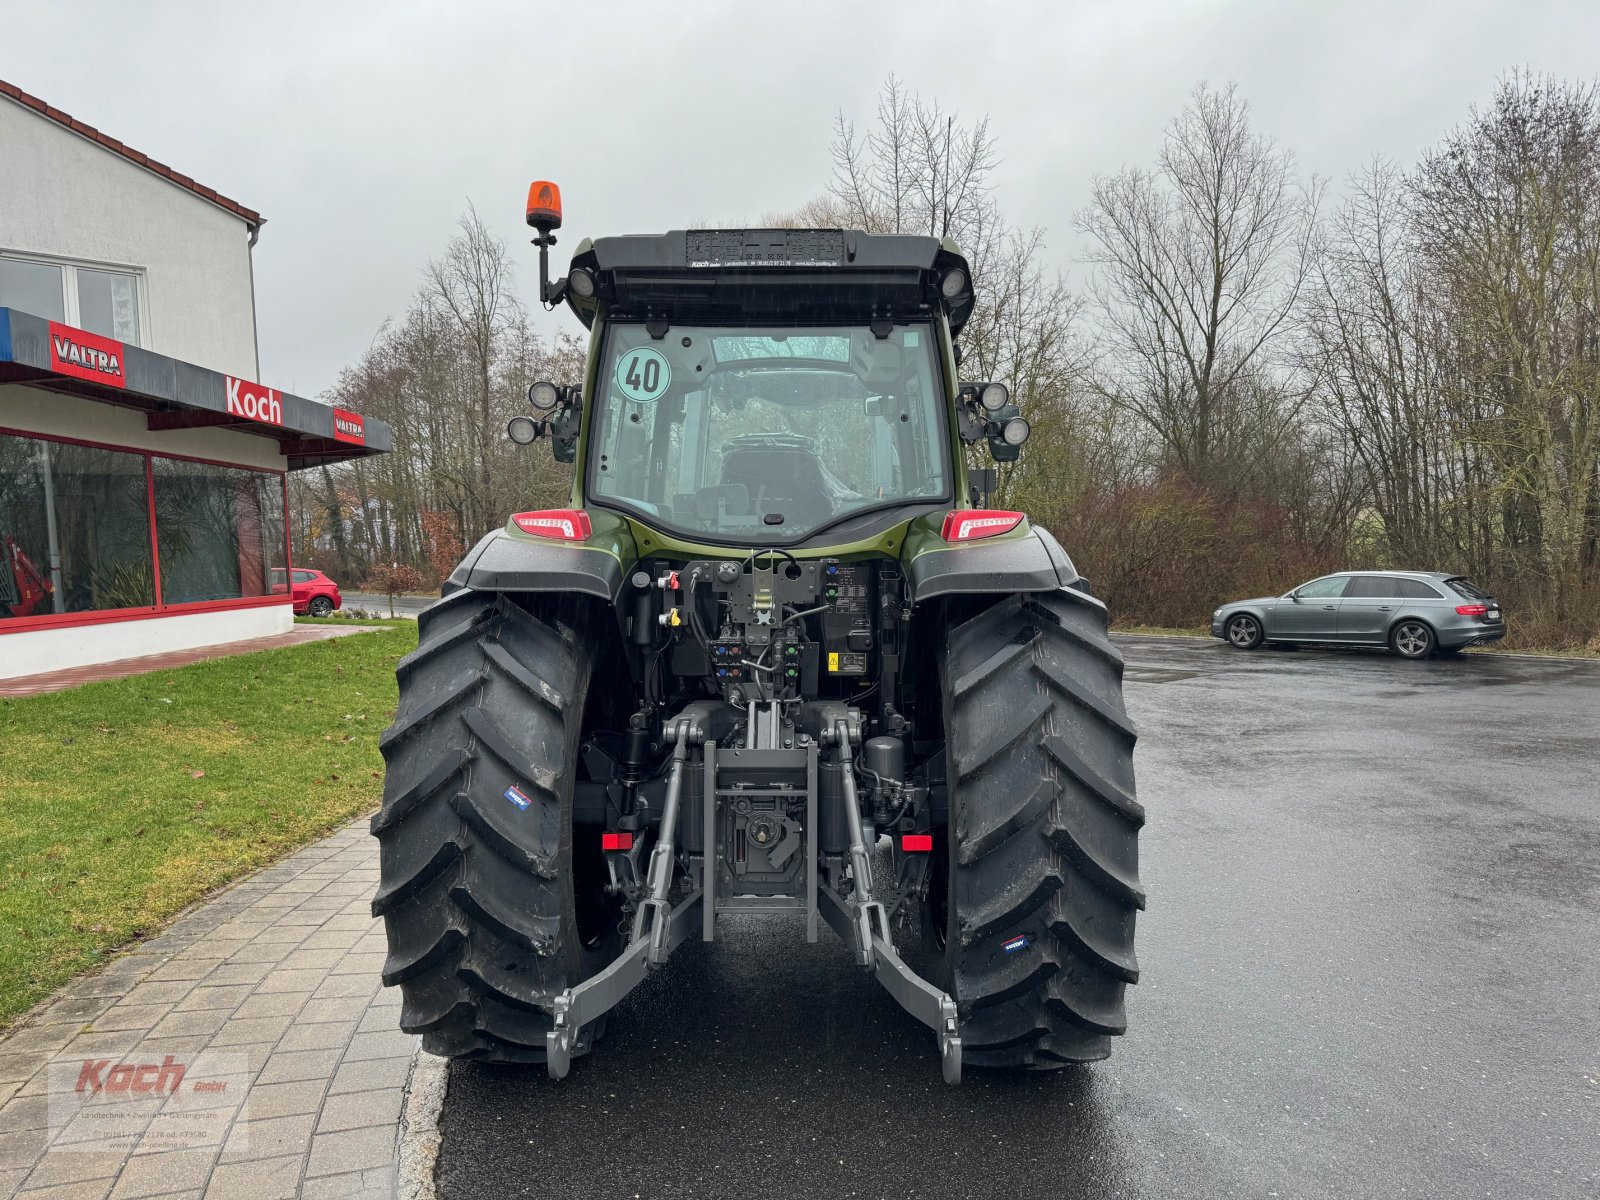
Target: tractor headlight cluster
(1016, 431)
(953, 284)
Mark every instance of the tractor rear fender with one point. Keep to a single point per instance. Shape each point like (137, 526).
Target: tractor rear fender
(1032, 562)
(504, 562)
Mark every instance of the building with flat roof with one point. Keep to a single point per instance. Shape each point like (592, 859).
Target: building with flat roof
(143, 497)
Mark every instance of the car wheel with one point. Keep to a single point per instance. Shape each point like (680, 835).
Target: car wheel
(1412, 639)
(1244, 632)
(321, 606)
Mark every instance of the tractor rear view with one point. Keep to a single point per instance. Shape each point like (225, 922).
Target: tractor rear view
(777, 656)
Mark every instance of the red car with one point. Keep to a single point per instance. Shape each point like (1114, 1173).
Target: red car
(312, 591)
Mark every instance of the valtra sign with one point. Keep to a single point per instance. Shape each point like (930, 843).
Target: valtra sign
(86, 356)
(254, 402)
(349, 427)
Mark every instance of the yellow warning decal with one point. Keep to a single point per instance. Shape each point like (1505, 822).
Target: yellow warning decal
(833, 661)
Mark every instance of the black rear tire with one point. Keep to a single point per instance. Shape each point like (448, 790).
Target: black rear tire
(321, 606)
(1035, 888)
(480, 878)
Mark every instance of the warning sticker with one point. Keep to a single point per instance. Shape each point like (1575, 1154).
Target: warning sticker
(643, 374)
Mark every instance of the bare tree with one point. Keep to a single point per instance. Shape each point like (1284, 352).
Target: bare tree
(446, 377)
(472, 282)
(1200, 269)
(1378, 369)
(1509, 233)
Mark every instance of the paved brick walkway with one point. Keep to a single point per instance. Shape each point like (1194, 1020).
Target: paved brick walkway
(55, 681)
(267, 999)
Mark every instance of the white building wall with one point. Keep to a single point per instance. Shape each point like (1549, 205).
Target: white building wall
(64, 195)
(36, 651)
(34, 410)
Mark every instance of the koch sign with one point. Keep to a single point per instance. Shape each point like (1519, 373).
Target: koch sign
(86, 356)
(348, 427)
(254, 402)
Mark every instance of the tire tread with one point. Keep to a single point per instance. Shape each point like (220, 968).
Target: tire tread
(472, 886)
(1045, 827)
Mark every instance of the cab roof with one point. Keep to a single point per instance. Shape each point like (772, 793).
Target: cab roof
(750, 276)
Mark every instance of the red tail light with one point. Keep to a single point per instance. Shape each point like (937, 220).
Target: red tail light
(1472, 610)
(967, 524)
(568, 524)
(616, 841)
(914, 843)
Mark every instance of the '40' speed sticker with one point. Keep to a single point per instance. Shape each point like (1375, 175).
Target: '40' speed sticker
(643, 374)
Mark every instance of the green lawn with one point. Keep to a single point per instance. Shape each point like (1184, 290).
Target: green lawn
(123, 802)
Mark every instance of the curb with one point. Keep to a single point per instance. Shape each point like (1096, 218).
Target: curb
(418, 1152)
(1199, 637)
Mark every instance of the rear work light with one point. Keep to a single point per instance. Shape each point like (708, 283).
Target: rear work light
(914, 843)
(1472, 610)
(568, 524)
(967, 524)
(616, 841)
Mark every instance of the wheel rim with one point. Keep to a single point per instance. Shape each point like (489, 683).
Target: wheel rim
(1411, 640)
(1241, 631)
(321, 606)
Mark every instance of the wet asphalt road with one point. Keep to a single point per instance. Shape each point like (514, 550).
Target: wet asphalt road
(1371, 967)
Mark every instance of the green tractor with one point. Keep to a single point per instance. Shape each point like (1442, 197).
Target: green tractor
(777, 656)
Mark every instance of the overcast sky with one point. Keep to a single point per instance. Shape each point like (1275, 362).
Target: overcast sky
(360, 130)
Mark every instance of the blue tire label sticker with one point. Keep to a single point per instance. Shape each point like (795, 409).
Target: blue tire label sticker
(1020, 942)
(518, 797)
(643, 374)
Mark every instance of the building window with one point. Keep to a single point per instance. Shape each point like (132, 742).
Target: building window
(93, 298)
(33, 287)
(75, 534)
(74, 529)
(220, 531)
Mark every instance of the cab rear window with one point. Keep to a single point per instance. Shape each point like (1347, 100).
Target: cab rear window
(1468, 589)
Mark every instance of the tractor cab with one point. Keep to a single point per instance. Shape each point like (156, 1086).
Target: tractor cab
(834, 348)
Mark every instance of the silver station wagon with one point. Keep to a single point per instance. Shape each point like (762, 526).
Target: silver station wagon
(1414, 613)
